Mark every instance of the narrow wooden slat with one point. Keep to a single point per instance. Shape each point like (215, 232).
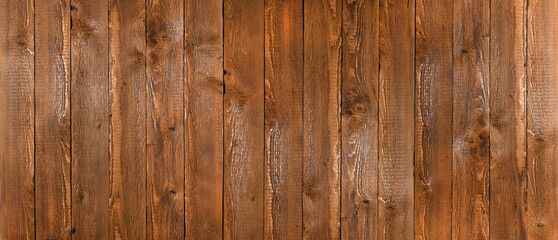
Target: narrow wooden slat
(283, 119)
(204, 118)
(471, 31)
(243, 119)
(17, 219)
(128, 121)
(507, 120)
(542, 120)
(396, 118)
(433, 131)
(52, 119)
(322, 82)
(359, 109)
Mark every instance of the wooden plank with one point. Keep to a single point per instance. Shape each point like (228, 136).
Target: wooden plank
(90, 119)
(165, 119)
(322, 123)
(17, 218)
(283, 118)
(542, 120)
(433, 127)
(471, 31)
(128, 121)
(204, 119)
(52, 119)
(359, 109)
(507, 120)
(243, 119)
(396, 118)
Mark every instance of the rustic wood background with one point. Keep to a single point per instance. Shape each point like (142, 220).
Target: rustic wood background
(279, 119)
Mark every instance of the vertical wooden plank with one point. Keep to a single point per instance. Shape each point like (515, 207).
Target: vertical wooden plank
(283, 118)
(471, 135)
(204, 118)
(507, 120)
(322, 82)
(165, 119)
(243, 119)
(52, 119)
(90, 119)
(359, 109)
(128, 119)
(542, 120)
(396, 118)
(17, 219)
(433, 126)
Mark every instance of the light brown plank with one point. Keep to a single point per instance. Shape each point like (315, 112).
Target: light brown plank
(204, 118)
(243, 119)
(433, 126)
(396, 118)
(283, 118)
(359, 109)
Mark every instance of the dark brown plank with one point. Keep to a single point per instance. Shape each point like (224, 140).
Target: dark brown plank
(204, 114)
(283, 118)
(507, 120)
(396, 118)
(433, 126)
(542, 120)
(471, 29)
(322, 82)
(359, 109)
(90, 119)
(128, 121)
(17, 218)
(52, 119)
(243, 119)
(165, 119)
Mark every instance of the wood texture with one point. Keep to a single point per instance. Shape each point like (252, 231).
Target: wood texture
(89, 119)
(433, 126)
(204, 118)
(283, 118)
(243, 141)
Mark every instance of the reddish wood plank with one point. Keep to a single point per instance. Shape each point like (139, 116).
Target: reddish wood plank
(243, 119)
(204, 118)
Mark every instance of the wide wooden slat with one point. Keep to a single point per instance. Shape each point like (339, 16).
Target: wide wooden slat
(17, 206)
(359, 109)
(204, 118)
(283, 118)
(507, 120)
(243, 119)
(433, 126)
(128, 121)
(396, 118)
(542, 120)
(165, 119)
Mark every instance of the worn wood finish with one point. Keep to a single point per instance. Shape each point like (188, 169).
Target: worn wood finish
(283, 119)
(433, 126)
(204, 118)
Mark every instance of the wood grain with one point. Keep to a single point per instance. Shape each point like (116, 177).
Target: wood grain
(204, 118)
(284, 53)
(359, 109)
(396, 118)
(165, 119)
(542, 120)
(471, 134)
(433, 126)
(17, 49)
(322, 85)
(128, 119)
(243, 48)
(89, 119)
(507, 120)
